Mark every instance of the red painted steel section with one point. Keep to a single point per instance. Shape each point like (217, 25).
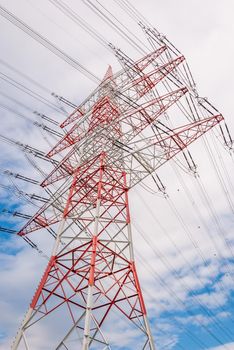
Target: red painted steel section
(101, 268)
(99, 254)
(73, 117)
(42, 282)
(140, 65)
(138, 288)
(93, 261)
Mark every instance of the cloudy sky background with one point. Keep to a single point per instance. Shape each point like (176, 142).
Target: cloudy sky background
(185, 267)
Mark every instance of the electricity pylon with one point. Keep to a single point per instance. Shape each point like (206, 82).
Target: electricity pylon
(118, 136)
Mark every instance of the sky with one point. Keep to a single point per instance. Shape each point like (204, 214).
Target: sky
(182, 241)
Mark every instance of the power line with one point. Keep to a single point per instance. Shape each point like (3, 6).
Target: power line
(25, 76)
(20, 177)
(35, 123)
(47, 44)
(157, 277)
(177, 276)
(29, 92)
(121, 32)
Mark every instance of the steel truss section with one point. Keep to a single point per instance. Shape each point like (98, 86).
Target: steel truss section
(93, 271)
(118, 136)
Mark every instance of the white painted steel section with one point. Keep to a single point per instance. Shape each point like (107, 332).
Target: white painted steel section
(25, 342)
(20, 333)
(89, 304)
(147, 326)
(57, 241)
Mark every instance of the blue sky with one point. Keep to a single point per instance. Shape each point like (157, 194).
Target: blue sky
(184, 263)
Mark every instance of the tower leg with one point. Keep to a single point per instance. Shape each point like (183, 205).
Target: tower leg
(86, 338)
(89, 303)
(93, 276)
(150, 337)
(20, 333)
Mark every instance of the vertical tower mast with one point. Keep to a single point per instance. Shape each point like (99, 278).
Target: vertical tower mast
(119, 136)
(93, 271)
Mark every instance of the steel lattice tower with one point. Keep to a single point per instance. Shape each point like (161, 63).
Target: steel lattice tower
(118, 136)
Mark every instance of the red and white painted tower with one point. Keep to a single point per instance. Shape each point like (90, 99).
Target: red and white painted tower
(118, 136)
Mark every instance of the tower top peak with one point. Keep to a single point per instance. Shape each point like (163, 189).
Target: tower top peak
(108, 74)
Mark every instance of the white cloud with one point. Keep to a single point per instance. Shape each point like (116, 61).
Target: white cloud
(229, 346)
(208, 44)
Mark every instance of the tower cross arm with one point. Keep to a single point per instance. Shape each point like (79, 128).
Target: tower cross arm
(146, 155)
(126, 79)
